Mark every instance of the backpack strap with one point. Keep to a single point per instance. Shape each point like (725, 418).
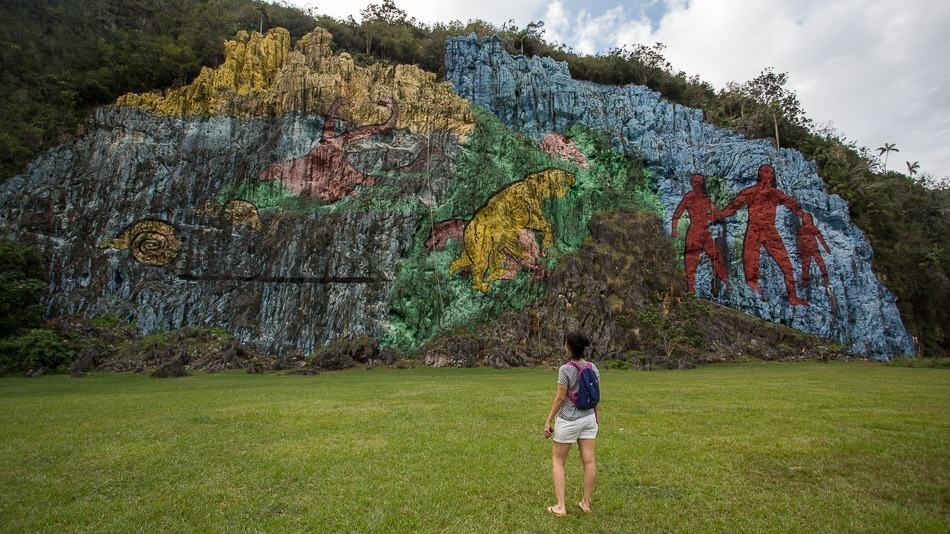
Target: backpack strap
(578, 367)
(573, 398)
(573, 364)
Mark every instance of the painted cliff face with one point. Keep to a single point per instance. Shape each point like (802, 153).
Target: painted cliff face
(499, 240)
(323, 173)
(559, 146)
(240, 201)
(761, 202)
(231, 202)
(536, 97)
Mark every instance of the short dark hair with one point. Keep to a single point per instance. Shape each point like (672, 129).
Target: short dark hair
(577, 342)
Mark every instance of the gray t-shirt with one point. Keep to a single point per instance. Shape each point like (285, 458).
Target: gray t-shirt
(568, 375)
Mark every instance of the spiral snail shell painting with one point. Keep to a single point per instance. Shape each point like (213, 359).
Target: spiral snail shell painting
(242, 213)
(151, 242)
(235, 212)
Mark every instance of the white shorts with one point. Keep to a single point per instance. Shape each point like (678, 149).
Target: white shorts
(571, 431)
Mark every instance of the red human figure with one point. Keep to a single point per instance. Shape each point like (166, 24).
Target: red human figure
(701, 212)
(324, 173)
(807, 240)
(762, 199)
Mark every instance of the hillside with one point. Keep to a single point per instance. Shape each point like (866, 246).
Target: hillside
(885, 207)
(295, 198)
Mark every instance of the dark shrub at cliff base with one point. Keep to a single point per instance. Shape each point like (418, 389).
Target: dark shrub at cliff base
(172, 369)
(343, 354)
(22, 285)
(35, 348)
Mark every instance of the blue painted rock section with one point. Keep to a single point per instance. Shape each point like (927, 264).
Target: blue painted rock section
(537, 95)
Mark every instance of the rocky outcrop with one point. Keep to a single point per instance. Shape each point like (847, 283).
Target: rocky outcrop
(297, 276)
(537, 96)
(623, 290)
(429, 225)
(343, 354)
(262, 76)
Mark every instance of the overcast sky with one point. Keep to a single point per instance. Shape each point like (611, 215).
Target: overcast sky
(878, 71)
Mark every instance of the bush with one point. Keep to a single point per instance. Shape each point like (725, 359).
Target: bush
(35, 348)
(22, 285)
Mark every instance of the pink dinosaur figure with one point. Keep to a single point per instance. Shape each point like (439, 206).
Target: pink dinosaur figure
(443, 231)
(455, 229)
(559, 146)
(323, 173)
(529, 245)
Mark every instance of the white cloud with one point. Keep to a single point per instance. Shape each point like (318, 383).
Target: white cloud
(557, 26)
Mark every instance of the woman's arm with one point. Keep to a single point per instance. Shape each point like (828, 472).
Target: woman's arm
(555, 406)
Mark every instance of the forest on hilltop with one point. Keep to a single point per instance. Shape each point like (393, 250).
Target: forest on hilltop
(62, 58)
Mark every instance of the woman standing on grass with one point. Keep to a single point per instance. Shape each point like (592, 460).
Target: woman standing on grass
(573, 423)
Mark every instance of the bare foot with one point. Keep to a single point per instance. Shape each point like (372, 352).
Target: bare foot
(584, 506)
(795, 301)
(558, 511)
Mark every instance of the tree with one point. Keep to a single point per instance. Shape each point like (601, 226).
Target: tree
(534, 30)
(913, 168)
(22, 285)
(885, 151)
(779, 103)
(379, 16)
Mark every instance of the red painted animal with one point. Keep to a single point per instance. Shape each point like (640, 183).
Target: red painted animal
(324, 173)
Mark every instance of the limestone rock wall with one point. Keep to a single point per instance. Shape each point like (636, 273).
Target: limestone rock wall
(233, 202)
(537, 96)
(289, 278)
(262, 76)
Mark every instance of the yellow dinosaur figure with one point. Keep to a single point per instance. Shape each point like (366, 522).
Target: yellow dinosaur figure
(495, 230)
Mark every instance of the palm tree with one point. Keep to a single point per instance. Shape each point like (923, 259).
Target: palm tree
(913, 167)
(885, 151)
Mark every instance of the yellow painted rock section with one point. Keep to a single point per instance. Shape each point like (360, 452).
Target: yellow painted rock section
(495, 229)
(242, 213)
(261, 76)
(151, 242)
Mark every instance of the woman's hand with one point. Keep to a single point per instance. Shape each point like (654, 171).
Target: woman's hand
(548, 431)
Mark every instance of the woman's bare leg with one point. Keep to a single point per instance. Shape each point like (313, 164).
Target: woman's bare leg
(590, 470)
(558, 459)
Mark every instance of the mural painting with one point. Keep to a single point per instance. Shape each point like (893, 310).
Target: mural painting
(443, 231)
(806, 240)
(761, 200)
(701, 212)
(234, 212)
(558, 145)
(499, 240)
(324, 173)
(150, 241)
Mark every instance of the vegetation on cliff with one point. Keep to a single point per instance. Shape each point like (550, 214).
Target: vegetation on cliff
(906, 219)
(60, 58)
(427, 302)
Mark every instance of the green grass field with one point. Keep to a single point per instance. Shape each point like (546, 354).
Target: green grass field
(750, 447)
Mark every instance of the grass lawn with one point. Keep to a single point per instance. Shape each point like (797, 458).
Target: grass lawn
(749, 447)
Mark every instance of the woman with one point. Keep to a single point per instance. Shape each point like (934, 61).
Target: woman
(572, 424)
